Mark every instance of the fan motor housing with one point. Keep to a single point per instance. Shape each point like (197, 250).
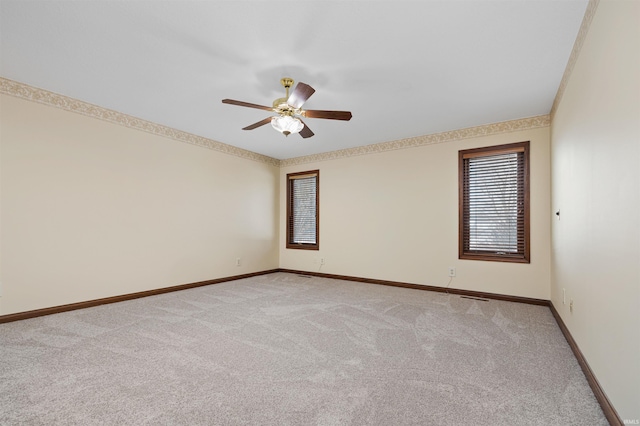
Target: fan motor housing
(281, 107)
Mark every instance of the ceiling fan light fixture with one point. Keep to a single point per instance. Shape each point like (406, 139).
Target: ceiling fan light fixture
(289, 108)
(287, 124)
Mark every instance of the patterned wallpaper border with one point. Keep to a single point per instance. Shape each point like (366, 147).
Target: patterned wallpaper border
(575, 52)
(24, 91)
(455, 135)
(45, 97)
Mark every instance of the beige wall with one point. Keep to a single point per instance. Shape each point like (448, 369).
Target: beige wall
(596, 185)
(92, 209)
(394, 216)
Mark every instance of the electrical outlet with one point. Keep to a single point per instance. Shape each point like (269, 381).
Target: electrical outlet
(571, 305)
(564, 297)
(452, 271)
(322, 260)
(237, 261)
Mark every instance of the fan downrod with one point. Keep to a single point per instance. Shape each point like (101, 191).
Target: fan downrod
(287, 82)
(280, 104)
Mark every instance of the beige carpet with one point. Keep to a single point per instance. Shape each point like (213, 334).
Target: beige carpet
(283, 349)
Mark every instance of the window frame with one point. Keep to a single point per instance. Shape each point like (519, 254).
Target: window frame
(291, 177)
(463, 251)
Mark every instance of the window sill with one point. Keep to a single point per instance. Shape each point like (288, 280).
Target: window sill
(303, 246)
(495, 257)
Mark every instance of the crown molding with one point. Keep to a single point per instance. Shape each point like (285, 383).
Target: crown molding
(454, 135)
(45, 97)
(575, 52)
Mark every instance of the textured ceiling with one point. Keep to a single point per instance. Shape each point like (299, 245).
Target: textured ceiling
(403, 68)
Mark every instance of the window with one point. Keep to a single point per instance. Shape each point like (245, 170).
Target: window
(494, 203)
(302, 210)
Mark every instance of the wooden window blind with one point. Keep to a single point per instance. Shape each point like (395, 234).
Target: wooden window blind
(303, 210)
(494, 203)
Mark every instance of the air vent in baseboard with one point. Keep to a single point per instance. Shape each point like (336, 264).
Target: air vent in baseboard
(474, 298)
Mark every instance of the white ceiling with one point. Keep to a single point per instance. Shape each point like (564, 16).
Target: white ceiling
(403, 68)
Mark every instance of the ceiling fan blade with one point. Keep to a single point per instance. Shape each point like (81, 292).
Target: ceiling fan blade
(306, 131)
(300, 94)
(258, 124)
(331, 115)
(246, 104)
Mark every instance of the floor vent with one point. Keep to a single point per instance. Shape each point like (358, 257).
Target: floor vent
(305, 276)
(474, 298)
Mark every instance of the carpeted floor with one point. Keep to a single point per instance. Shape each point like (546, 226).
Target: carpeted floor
(284, 349)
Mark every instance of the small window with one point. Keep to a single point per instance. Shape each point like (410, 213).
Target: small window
(302, 210)
(494, 203)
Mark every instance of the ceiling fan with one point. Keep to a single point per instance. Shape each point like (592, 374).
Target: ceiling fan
(289, 110)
